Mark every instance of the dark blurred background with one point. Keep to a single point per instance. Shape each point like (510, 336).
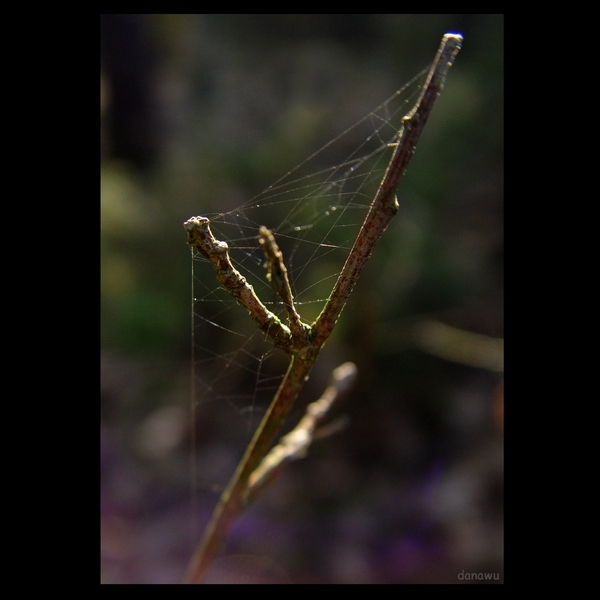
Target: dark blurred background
(412, 490)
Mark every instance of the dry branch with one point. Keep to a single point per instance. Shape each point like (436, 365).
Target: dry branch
(302, 342)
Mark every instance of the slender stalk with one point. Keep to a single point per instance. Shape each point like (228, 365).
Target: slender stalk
(277, 275)
(385, 206)
(304, 343)
(232, 501)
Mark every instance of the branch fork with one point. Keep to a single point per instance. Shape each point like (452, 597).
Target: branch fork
(202, 239)
(303, 342)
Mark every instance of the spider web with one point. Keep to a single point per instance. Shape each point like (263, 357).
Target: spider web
(315, 212)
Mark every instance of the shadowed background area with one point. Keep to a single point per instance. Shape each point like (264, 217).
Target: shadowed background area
(201, 113)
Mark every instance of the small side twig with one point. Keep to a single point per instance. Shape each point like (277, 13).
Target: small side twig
(295, 444)
(278, 278)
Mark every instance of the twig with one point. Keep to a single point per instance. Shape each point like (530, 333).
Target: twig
(277, 276)
(232, 500)
(301, 342)
(385, 206)
(296, 443)
(201, 237)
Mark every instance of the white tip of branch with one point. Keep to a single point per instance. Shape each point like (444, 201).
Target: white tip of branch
(343, 377)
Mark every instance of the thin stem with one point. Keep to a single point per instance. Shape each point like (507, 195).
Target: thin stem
(233, 501)
(384, 205)
(278, 277)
